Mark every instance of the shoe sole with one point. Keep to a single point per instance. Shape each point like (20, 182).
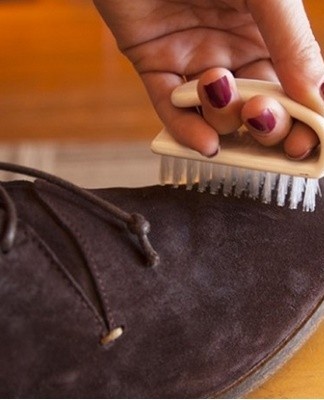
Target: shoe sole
(269, 367)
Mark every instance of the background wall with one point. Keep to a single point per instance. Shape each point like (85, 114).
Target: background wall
(61, 76)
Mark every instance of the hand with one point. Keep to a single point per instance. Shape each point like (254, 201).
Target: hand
(169, 41)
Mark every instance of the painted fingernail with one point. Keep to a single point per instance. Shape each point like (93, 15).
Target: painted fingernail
(219, 92)
(264, 123)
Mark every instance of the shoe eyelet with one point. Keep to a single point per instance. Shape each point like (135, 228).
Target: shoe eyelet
(112, 336)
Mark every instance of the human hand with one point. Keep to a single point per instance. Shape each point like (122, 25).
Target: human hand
(169, 41)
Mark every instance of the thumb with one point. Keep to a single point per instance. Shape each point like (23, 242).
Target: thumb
(294, 51)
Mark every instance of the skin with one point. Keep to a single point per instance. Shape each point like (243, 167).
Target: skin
(269, 39)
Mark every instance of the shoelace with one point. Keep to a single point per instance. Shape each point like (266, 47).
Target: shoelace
(136, 223)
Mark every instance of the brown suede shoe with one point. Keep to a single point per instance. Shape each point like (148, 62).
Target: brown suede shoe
(237, 287)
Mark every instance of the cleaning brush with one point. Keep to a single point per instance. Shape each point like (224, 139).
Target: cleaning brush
(243, 166)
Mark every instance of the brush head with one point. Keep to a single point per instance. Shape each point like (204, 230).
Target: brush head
(242, 165)
(268, 187)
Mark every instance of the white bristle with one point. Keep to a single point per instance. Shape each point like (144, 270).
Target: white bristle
(242, 179)
(178, 171)
(282, 189)
(217, 177)
(297, 187)
(255, 183)
(166, 170)
(268, 186)
(191, 173)
(232, 180)
(228, 181)
(312, 189)
(204, 176)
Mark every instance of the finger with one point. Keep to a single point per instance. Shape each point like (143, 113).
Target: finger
(268, 122)
(295, 54)
(186, 125)
(300, 142)
(261, 69)
(266, 119)
(221, 102)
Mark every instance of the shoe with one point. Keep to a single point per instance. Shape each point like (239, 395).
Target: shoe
(206, 300)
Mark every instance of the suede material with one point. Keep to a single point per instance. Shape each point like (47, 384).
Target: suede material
(237, 280)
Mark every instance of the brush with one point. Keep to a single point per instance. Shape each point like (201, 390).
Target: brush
(243, 166)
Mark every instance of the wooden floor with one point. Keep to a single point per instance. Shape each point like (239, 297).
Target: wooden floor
(62, 78)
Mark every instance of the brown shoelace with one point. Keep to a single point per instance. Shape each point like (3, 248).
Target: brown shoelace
(135, 223)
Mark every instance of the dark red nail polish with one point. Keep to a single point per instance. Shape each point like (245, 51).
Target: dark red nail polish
(219, 92)
(264, 123)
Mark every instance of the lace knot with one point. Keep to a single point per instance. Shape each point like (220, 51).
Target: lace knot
(136, 223)
(140, 227)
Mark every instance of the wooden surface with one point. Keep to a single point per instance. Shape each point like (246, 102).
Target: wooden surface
(61, 77)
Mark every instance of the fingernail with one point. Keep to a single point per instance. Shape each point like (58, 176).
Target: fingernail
(219, 92)
(301, 156)
(214, 154)
(264, 123)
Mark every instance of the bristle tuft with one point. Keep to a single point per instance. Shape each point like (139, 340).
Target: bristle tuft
(204, 176)
(256, 180)
(217, 177)
(268, 186)
(312, 189)
(282, 189)
(178, 172)
(166, 168)
(237, 181)
(296, 191)
(192, 174)
(228, 181)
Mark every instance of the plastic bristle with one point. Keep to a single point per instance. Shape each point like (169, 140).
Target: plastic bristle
(296, 191)
(191, 173)
(268, 186)
(166, 170)
(255, 183)
(282, 189)
(242, 179)
(228, 181)
(236, 181)
(217, 177)
(312, 189)
(204, 176)
(179, 168)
